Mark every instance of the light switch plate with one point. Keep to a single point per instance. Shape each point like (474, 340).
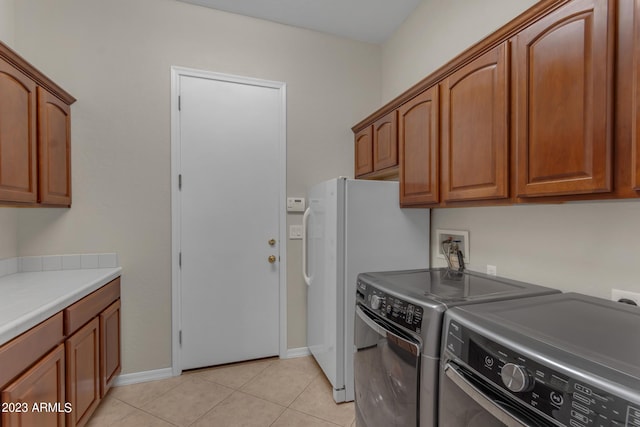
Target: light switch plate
(295, 232)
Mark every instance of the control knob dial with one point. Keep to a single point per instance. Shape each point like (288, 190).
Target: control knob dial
(515, 377)
(376, 301)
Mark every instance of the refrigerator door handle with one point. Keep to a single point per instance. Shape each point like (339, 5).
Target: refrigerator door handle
(305, 220)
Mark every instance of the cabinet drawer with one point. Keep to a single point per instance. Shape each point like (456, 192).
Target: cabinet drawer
(90, 306)
(21, 352)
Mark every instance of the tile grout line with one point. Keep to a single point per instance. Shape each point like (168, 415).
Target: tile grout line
(141, 410)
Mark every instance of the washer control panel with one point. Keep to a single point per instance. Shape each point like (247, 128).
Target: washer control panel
(397, 310)
(571, 402)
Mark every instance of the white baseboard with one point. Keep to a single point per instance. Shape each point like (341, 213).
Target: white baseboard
(142, 377)
(298, 352)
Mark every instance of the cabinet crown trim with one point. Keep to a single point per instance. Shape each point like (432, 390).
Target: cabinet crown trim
(32, 72)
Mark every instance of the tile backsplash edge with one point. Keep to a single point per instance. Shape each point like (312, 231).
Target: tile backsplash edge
(27, 264)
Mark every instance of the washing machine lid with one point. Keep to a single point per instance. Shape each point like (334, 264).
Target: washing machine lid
(443, 287)
(604, 332)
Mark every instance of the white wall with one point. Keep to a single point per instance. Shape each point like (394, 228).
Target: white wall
(7, 8)
(584, 247)
(436, 32)
(115, 57)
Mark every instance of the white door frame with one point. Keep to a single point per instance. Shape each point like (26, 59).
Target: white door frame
(176, 73)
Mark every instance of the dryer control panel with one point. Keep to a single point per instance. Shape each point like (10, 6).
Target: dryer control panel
(563, 398)
(396, 310)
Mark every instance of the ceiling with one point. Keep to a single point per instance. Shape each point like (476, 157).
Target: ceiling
(372, 21)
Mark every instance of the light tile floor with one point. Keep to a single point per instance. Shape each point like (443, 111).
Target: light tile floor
(262, 393)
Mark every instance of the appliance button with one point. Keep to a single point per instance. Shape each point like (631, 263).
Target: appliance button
(582, 389)
(580, 417)
(582, 399)
(454, 346)
(556, 398)
(488, 361)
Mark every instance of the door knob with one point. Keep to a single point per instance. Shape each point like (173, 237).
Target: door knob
(272, 242)
(272, 259)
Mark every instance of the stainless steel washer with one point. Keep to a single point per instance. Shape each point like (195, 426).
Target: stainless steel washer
(398, 329)
(559, 360)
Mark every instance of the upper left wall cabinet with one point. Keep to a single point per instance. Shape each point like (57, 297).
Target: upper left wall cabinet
(35, 136)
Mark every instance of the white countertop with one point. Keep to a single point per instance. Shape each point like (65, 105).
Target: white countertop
(27, 299)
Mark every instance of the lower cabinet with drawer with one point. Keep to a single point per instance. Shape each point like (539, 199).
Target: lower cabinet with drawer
(56, 373)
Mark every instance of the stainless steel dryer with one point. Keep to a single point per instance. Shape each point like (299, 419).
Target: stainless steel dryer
(558, 360)
(398, 328)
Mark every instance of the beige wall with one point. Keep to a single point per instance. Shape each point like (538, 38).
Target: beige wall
(7, 21)
(8, 216)
(436, 32)
(115, 58)
(8, 232)
(584, 247)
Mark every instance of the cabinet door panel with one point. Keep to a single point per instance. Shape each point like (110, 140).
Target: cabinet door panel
(364, 151)
(83, 372)
(18, 157)
(385, 142)
(563, 87)
(43, 383)
(54, 144)
(475, 121)
(635, 141)
(418, 136)
(109, 346)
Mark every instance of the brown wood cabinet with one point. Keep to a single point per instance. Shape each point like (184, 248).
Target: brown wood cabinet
(18, 154)
(93, 351)
(109, 346)
(562, 76)
(545, 109)
(475, 124)
(385, 142)
(377, 148)
(54, 149)
(635, 117)
(418, 135)
(35, 136)
(364, 152)
(85, 338)
(83, 372)
(43, 383)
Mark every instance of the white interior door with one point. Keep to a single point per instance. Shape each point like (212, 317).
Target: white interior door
(230, 148)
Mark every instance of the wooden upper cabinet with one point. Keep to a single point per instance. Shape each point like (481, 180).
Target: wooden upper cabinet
(562, 75)
(54, 145)
(18, 155)
(364, 151)
(385, 142)
(35, 135)
(418, 137)
(635, 118)
(475, 124)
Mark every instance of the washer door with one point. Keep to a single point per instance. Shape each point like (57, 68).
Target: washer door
(466, 402)
(387, 369)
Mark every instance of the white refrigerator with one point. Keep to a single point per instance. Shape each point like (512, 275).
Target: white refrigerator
(350, 227)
